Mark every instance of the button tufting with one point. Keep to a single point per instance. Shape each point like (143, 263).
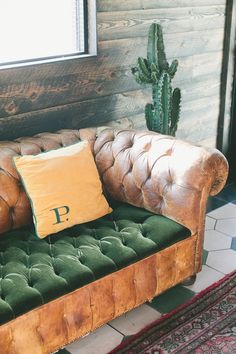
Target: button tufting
(30, 284)
(11, 210)
(147, 147)
(72, 249)
(130, 168)
(55, 271)
(81, 261)
(100, 249)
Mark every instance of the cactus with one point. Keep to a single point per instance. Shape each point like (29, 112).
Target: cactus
(163, 114)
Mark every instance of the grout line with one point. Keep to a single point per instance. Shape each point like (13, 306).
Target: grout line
(116, 329)
(221, 249)
(215, 225)
(223, 233)
(211, 217)
(213, 269)
(225, 218)
(217, 270)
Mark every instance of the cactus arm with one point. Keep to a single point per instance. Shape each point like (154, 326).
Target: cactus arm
(154, 77)
(144, 67)
(142, 72)
(156, 49)
(149, 115)
(163, 64)
(153, 119)
(165, 91)
(152, 55)
(154, 68)
(175, 111)
(140, 77)
(163, 114)
(173, 68)
(158, 109)
(135, 72)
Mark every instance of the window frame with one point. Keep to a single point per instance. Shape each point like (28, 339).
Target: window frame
(90, 42)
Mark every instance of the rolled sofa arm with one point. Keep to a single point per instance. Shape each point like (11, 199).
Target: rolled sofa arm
(218, 165)
(160, 173)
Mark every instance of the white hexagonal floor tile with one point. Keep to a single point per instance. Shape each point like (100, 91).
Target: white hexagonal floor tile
(214, 240)
(135, 320)
(205, 278)
(224, 212)
(210, 223)
(101, 341)
(228, 226)
(223, 261)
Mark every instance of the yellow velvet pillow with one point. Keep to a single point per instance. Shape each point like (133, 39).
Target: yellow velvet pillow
(63, 186)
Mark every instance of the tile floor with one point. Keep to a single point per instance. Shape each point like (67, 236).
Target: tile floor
(219, 259)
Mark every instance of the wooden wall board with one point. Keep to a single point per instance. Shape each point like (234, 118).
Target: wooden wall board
(125, 5)
(91, 91)
(110, 107)
(197, 122)
(126, 24)
(76, 115)
(64, 90)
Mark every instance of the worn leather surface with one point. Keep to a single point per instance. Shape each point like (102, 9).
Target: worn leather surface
(159, 173)
(61, 321)
(142, 168)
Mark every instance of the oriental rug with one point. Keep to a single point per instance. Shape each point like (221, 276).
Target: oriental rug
(204, 325)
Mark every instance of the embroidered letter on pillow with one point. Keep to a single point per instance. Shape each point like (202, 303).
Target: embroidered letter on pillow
(63, 187)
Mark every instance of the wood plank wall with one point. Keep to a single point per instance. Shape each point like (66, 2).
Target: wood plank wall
(92, 91)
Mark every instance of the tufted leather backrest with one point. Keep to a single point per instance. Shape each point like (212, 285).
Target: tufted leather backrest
(162, 174)
(15, 210)
(145, 169)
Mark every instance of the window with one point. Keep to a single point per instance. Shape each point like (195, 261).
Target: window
(36, 30)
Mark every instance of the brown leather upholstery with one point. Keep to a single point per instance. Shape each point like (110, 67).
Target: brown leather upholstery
(145, 169)
(53, 325)
(159, 173)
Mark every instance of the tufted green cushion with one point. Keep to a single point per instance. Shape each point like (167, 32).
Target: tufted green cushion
(34, 271)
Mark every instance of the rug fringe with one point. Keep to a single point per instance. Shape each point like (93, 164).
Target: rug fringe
(173, 312)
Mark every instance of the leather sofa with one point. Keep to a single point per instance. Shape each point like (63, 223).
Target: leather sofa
(55, 290)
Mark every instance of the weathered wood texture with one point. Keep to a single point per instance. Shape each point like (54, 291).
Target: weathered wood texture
(92, 91)
(228, 119)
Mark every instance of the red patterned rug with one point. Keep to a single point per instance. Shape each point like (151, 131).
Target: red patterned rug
(204, 325)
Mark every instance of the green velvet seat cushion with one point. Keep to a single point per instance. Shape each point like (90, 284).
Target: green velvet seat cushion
(34, 271)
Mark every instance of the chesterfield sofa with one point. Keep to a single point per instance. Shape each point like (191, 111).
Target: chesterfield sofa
(57, 289)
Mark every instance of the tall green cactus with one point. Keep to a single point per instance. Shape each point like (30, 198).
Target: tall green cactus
(163, 114)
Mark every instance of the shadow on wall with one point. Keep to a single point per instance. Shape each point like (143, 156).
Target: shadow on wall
(71, 116)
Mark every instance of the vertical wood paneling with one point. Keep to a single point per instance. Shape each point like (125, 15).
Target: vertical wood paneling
(96, 90)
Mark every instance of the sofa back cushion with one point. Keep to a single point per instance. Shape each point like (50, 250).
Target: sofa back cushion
(160, 173)
(63, 186)
(15, 210)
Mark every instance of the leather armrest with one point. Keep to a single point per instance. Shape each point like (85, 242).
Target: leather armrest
(160, 173)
